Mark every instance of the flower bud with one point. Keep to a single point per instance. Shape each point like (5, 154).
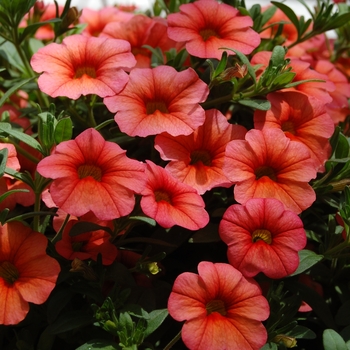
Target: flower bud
(80, 266)
(288, 342)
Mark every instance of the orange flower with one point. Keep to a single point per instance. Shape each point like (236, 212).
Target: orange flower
(197, 159)
(83, 65)
(207, 26)
(222, 309)
(27, 273)
(269, 165)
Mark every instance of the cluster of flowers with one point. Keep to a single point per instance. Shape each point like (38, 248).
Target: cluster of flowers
(269, 164)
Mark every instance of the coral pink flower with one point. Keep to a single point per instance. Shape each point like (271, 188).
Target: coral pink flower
(207, 25)
(87, 245)
(197, 159)
(302, 118)
(27, 273)
(91, 174)
(171, 202)
(83, 65)
(262, 237)
(97, 20)
(269, 165)
(160, 100)
(139, 31)
(222, 309)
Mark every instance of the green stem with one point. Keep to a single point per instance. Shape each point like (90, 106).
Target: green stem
(58, 235)
(219, 100)
(173, 341)
(336, 250)
(90, 105)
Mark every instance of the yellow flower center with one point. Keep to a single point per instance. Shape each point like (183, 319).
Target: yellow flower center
(207, 33)
(201, 156)
(162, 196)
(153, 106)
(9, 272)
(90, 170)
(216, 306)
(262, 234)
(289, 127)
(90, 71)
(265, 171)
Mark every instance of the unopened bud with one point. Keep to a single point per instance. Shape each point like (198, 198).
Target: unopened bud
(71, 17)
(288, 342)
(153, 268)
(81, 267)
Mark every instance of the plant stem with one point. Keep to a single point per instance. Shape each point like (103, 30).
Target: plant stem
(173, 341)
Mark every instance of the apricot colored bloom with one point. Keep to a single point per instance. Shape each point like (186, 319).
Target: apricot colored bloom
(171, 202)
(91, 174)
(222, 309)
(207, 26)
(87, 245)
(302, 118)
(197, 159)
(262, 236)
(160, 100)
(83, 65)
(141, 30)
(97, 20)
(27, 273)
(267, 164)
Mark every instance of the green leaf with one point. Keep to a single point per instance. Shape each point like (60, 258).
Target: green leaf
(307, 259)
(63, 130)
(222, 64)
(9, 53)
(301, 332)
(342, 149)
(70, 320)
(343, 315)
(3, 160)
(244, 60)
(3, 215)
(156, 318)
(283, 79)
(337, 22)
(30, 141)
(333, 341)
(277, 57)
(289, 13)
(13, 89)
(32, 28)
(100, 345)
(262, 105)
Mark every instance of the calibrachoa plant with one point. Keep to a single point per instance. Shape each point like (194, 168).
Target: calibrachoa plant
(176, 178)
